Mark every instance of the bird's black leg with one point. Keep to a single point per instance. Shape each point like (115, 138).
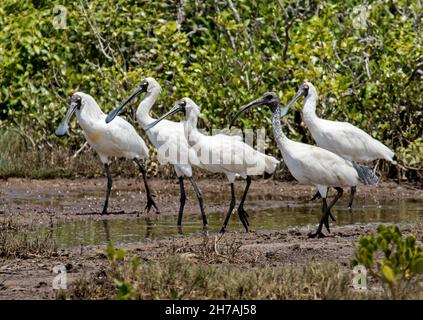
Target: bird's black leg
(353, 191)
(243, 215)
(339, 192)
(181, 200)
(319, 233)
(150, 201)
(231, 208)
(316, 196)
(200, 201)
(109, 187)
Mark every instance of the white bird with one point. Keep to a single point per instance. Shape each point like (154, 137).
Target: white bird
(222, 154)
(117, 139)
(342, 138)
(313, 165)
(168, 138)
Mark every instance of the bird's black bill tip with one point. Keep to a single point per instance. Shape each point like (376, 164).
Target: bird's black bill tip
(168, 114)
(111, 116)
(61, 131)
(232, 120)
(150, 125)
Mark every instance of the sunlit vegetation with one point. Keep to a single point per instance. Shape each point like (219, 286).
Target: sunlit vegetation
(365, 60)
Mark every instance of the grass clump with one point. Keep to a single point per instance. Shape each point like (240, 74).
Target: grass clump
(18, 241)
(201, 275)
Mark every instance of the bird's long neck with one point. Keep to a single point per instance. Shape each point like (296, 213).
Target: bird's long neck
(143, 111)
(190, 128)
(89, 116)
(280, 138)
(309, 108)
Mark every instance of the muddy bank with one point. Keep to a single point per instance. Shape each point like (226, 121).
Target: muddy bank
(58, 200)
(51, 202)
(32, 278)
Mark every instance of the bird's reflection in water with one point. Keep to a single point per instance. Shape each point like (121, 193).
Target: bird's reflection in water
(118, 230)
(204, 232)
(106, 230)
(149, 230)
(180, 231)
(149, 226)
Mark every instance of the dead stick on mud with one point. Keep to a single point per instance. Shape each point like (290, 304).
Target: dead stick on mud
(216, 240)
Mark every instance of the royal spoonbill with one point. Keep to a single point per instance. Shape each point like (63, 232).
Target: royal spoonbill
(313, 165)
(222, 154)
(117, 139)
(342, 138)
(169, 139)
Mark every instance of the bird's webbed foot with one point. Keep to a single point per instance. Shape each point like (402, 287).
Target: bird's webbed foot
(150, 204)
(317, 234)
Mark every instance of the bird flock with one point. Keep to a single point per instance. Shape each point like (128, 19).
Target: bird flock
(332, 162)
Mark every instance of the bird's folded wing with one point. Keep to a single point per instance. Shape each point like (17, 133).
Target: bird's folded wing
(345, 139)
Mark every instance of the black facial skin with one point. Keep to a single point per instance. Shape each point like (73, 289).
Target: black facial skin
(183, 104)
(271, 100)
(143, 85)
(305, 90)
(77, 100)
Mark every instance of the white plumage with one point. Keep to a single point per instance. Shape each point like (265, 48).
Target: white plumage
(342, 138)
(169, 139)
(117, 139)
(313, 165)
(222, 154)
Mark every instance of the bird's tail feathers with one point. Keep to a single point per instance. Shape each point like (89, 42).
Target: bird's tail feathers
(365, 174)
(384, 151)
(270, 164)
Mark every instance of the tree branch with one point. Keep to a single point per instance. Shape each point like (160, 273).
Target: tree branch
(96, 33)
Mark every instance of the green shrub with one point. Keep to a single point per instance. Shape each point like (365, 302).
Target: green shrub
(391, 258)
(365, 60)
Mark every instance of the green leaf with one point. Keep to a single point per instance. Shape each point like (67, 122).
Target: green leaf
(120, 254)
(125, 290)
(417, 266)
(388, 273)
(136, 261)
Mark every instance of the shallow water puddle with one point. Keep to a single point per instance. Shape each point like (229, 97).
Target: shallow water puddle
(90, 232)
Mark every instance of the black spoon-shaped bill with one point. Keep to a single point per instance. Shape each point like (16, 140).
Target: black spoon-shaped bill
(174, 110)
(117, 110)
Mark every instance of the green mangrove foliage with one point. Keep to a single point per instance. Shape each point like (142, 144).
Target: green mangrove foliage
(390, 258)
(365, 59)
